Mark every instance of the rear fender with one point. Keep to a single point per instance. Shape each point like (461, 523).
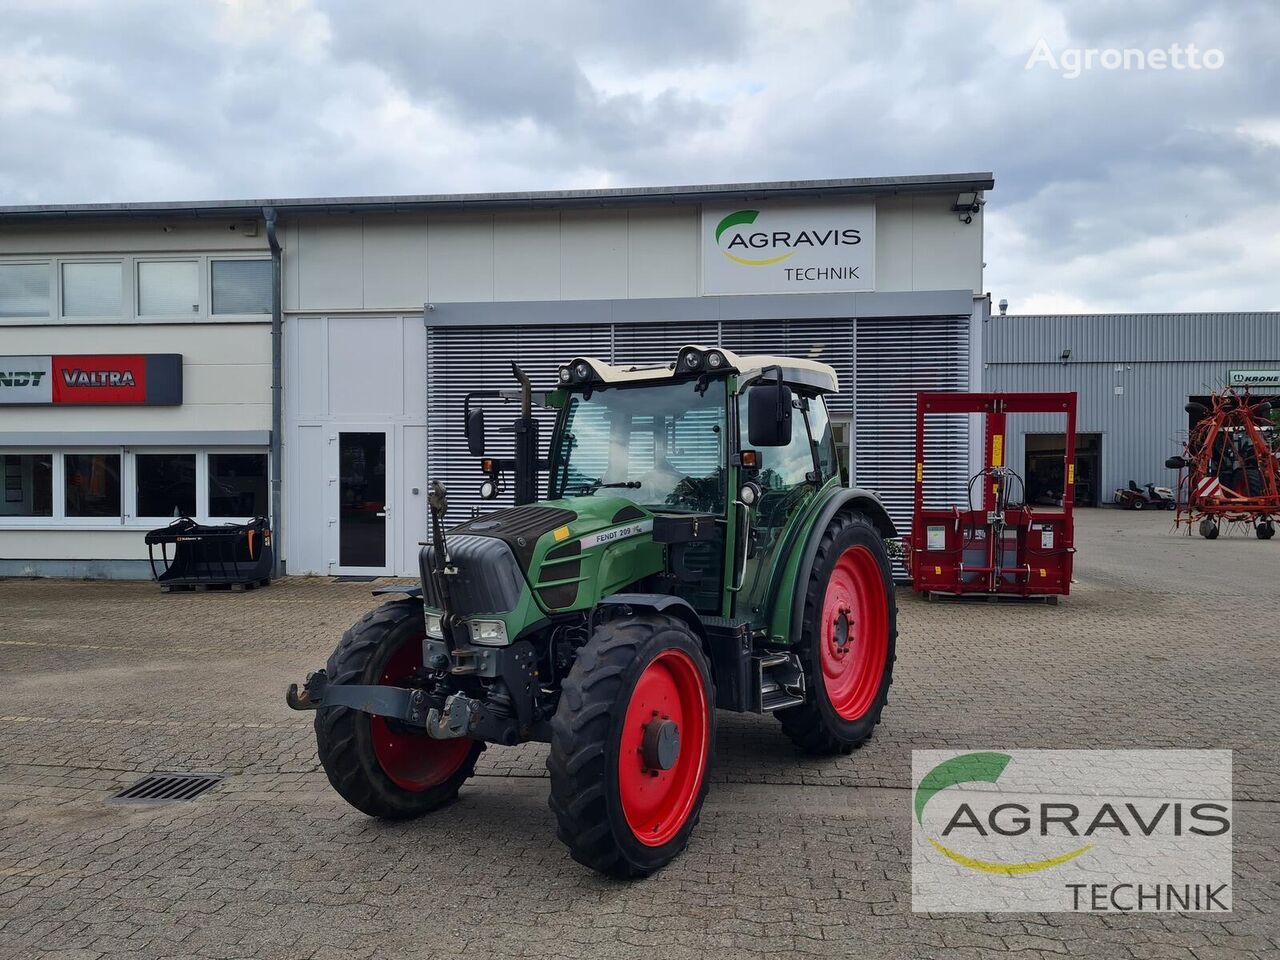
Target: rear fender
(789, 617)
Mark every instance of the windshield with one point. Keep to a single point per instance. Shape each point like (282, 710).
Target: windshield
(661, 447)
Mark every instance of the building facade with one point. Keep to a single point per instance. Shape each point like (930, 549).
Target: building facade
(391, 309)
(1133, 375)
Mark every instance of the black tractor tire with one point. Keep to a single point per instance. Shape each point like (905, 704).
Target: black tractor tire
(345, 737)
(1265, 530)
(587, 736)
(815, 725)
(1208, 529)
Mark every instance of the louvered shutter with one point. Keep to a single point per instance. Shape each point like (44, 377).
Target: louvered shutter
(881, 365)
(895, 359)
(462, 359)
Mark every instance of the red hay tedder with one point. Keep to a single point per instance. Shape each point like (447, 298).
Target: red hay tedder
(1229, 471)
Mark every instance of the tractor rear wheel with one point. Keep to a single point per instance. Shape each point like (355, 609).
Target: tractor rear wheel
(849, 641)
(631, 742)
(383, 767)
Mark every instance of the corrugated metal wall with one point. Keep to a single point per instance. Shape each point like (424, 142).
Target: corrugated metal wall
(1132, 374)
(881, 363)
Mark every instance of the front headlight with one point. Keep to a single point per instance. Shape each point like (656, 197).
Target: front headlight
(435, 626)
(489, 632)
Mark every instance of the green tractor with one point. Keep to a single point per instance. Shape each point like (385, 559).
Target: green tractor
(697, 550)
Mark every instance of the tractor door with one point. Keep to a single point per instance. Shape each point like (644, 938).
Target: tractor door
(789, 477)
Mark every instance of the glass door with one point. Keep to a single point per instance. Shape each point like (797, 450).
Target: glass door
(364, 499)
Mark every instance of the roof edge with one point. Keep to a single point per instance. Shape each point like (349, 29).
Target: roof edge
(608, 197)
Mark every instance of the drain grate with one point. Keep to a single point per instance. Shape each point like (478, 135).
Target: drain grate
(168, 787)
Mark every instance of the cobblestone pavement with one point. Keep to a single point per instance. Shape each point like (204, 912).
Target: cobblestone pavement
(1165, 641)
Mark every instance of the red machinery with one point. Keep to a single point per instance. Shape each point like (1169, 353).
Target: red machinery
(1000, 546)
(1229, 470)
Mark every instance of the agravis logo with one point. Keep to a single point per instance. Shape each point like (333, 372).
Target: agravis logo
(976, 768)
(746, 242)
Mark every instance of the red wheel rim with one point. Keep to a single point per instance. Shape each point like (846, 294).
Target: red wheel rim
(658, 802)
(854, 637)
(412, 760)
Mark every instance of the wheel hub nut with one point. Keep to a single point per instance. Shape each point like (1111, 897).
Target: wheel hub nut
(661, 744)
(842, 628)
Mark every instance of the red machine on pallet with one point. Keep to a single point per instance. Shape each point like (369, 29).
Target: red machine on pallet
(1002, 545)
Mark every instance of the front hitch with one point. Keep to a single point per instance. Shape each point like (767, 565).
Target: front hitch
(458, 718)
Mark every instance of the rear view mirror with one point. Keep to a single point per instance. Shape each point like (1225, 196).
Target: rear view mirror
(475, 433)
(1175, 463)
(769, 415)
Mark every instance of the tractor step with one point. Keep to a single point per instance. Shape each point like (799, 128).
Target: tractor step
(780, 681)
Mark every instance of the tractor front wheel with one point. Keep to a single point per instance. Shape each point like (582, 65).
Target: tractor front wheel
(631, 742)
(849, 640)
(383, 767)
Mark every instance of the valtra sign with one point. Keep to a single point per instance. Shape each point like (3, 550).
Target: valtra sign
(788, 249)
(153, 379)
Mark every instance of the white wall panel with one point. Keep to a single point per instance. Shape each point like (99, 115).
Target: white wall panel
(411, 508)
(330, 263)
(395, 261)
(894, 216)
(662, 253)
(307, 525)
(365, 372)
(52, 544)
(413, 357)
(460, 259)
(306, 350)
(946, 252)
(593, 248)
(526, 256)
(183, 235)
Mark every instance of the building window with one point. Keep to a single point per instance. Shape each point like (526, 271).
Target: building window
(166, 484)
(168, 288)
(92, 484)
(24, 290)
(92, 289)
(237, 484)
(28, 485)
(241, 286)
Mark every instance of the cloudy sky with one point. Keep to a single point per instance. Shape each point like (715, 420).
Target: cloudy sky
(1115, 189)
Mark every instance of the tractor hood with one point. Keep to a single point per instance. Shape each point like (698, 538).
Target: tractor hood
(568, 554)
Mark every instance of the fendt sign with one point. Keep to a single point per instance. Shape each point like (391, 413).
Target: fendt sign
(153, 379)
(769, 248)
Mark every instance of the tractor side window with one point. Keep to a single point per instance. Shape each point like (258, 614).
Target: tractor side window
(823, 438)
(784, 468)
(784, 471)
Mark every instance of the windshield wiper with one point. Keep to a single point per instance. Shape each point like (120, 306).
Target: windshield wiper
(591, 486)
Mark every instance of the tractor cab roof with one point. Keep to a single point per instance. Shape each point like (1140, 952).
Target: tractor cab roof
(696, 359)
